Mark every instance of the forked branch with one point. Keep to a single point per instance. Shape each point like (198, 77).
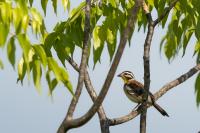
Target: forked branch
(130, 25)
(64, 125)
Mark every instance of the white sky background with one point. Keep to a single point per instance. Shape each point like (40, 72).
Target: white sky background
(23, 110)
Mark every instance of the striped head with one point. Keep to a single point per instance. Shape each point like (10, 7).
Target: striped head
(126, 76)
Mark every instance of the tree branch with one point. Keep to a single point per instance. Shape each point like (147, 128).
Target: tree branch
(130, 25)
(166, 11)
(93, 95)
(63, 126)
(157, 95)
(146, 58)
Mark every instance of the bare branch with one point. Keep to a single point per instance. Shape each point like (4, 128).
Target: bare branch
(157, 95)
(93, 95)
(130, 25)
(177, 81)
(166, 11)
(63, 126)
(146, 58)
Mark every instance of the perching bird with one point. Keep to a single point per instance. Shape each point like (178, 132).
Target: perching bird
(135, 91)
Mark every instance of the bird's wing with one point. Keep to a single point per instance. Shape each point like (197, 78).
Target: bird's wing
(135, 87)
(138, 88)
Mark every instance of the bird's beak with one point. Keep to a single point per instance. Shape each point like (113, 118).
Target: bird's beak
(119, 75)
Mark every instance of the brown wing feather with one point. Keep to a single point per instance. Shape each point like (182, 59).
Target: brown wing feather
(136, 87)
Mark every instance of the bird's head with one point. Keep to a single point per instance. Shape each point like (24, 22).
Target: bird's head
(126, 76)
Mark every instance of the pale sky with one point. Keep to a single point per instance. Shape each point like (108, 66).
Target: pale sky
(23, 110)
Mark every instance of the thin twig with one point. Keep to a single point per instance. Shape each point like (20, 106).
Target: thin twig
(63, 127)
(146, 58)
(157, 95)
(166, 11)
(130, 25)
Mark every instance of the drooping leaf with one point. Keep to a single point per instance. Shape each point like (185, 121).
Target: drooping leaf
(37, 73)
(17, 17)
(31, 2)
(24, 22)
(96, 38)
(51, 83)
(44, 5)
(66, 4)
(54, 5)
(97, 54)
(37, 20)
(74, 14)
(170, 47)
(186, 39)
(48, 43)
(197, 47)
(65, 80)
(41, 53)
(4, 33)
(1, 64)
(197, 90)
(60, 74)
(21, 70)
(111, 42)
(54, 83)
(197, 31)
(11, 51)
(25, 45)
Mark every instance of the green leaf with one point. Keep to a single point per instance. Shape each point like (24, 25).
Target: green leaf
(60, 74)
(111, 42)
(44, 5)
(113, 3)
(197, 90)
(4, 33)
(50, 40)
(5, 12)
(110, 36)
(36, 20)
(96, 38)
(25, 45)
(197, 31)
(1, 64)
(25, 22)
(54, 5)
(37, 74)
(51, 83)
(65, 80)
(31, 2)
(151, 2)
(17, 17)
(54, 67)
(66, 4)
(41, 53)
(170, 47)
(11, 51)
(54, 83)
(74, 14)
(97, 54)
(186, 39)
(197, 47)
(21, 70)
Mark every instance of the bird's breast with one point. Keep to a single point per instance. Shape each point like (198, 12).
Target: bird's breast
(131, 95)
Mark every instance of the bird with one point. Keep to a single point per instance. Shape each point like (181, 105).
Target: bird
(135, 91)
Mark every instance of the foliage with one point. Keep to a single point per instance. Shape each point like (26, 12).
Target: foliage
(108, 20)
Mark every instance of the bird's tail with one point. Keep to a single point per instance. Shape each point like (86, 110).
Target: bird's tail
(160, 109)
